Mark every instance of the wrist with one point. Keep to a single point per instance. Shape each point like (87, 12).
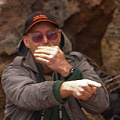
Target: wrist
(71, 72)
(65, 70)
(65, 89)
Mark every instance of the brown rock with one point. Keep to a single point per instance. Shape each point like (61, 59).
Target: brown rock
(84, 21)
(110, 45)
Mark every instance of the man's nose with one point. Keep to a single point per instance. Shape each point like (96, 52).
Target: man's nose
(45, 39)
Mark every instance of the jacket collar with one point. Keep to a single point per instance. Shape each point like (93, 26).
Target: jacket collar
(30, 62)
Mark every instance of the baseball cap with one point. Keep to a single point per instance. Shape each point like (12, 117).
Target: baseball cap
(36, 17)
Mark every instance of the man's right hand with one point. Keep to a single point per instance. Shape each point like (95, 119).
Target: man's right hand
(54, 58)
(80, 89)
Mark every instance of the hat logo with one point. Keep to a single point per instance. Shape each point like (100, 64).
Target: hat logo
(39, 17)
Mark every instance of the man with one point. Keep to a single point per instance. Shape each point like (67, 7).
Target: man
(49, 81)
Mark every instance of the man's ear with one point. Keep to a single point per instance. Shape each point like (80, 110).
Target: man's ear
(59, 35)
(26, 41)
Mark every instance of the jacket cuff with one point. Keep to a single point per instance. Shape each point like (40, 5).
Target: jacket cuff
(56, 92)
(76, 75)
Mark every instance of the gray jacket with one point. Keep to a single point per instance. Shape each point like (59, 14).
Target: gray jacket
(24, 95)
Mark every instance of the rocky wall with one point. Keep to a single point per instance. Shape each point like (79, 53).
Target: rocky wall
(84, 22)
(110, 45)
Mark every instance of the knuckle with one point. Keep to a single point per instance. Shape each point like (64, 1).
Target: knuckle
(51, 57)
(84, 98)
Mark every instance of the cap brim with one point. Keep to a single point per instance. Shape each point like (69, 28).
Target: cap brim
(38, 22)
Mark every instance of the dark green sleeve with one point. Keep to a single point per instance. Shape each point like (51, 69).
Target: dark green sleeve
(56, 92)
(56, 87)
(77, 75)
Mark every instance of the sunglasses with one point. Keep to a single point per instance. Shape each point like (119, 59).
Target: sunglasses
(39, 37)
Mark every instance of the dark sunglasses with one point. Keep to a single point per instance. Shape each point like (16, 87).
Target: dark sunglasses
(39, 37)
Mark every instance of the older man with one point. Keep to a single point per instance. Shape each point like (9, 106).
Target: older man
(49, 81)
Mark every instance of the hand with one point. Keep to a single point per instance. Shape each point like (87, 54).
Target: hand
(54, 58)
(81, 89)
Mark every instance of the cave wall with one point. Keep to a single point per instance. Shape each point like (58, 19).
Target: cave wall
(84, 22)
(110, 45)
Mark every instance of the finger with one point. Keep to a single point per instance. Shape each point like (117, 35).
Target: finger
(94, 84)
(41, 55)
(44, 51)
(84, 95)
(87, 94)
(89, 89)
(81, 95)
(52, 48)
(83, 98)
(47, 48)
(94, 90)
(42, 60)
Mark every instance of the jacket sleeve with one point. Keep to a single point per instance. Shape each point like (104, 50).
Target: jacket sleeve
(24, 92)
(99, 102)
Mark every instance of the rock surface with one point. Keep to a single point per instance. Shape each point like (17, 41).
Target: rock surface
(110, 45)
(84, 22)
